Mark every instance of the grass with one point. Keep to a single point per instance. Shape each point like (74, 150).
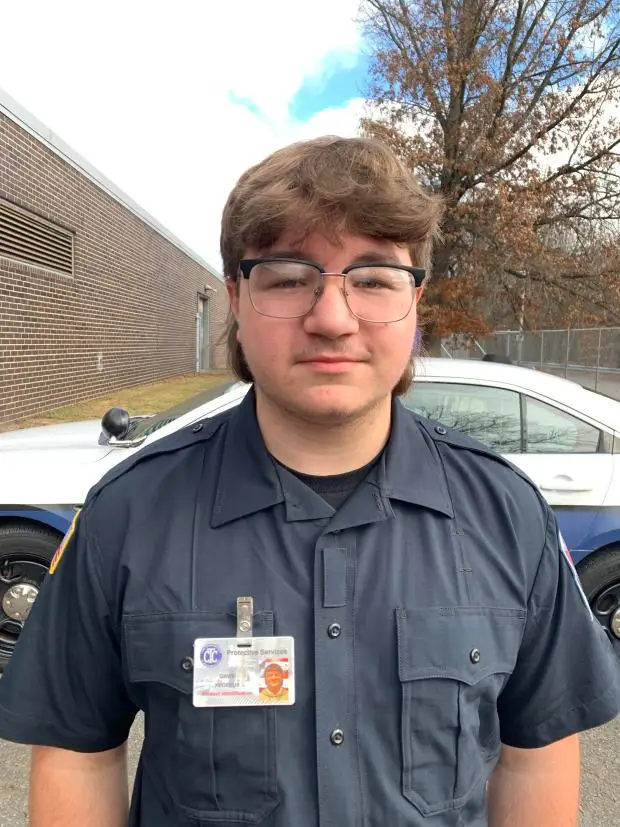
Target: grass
(141, 399)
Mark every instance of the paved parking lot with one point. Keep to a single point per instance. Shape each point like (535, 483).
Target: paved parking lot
(600, 797)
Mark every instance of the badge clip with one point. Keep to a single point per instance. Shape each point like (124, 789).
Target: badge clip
(245, 614)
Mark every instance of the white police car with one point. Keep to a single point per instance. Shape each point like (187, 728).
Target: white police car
(566, 438)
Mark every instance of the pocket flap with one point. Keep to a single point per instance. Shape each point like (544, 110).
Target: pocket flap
(462, 643)
(158, 646)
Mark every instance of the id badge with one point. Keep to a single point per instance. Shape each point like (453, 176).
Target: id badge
(252, 671)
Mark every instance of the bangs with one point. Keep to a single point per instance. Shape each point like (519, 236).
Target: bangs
(299, 219)
(331, 186)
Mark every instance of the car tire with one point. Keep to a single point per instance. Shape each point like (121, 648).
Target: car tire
(600, 577)
(25, 555)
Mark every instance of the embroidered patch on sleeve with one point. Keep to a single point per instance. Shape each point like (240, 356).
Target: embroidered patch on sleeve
(573, 571)
(63, 545)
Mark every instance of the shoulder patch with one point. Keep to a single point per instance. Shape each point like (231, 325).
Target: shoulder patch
(64, 543)
(569, 562)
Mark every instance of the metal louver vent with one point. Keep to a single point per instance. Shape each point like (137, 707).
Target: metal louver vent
(27, 238)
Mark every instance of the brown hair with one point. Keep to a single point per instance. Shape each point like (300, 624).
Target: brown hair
(330, 185)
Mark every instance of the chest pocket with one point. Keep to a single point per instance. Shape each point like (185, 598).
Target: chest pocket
(452, 666)
(218, 766)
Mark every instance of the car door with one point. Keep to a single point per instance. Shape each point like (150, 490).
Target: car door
(564, 455)
(569, 459)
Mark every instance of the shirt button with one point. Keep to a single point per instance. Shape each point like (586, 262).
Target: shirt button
(440, 430)
(197, 427)
(474, 656)
(336, 737)
(333, 630)
(187, 664)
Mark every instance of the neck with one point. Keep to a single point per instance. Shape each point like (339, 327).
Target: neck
(319, 448)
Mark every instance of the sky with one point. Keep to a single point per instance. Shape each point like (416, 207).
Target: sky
(173, 101)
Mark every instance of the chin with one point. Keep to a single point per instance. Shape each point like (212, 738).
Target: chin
(332, 403)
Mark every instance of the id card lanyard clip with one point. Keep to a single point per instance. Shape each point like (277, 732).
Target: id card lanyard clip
(245, 619)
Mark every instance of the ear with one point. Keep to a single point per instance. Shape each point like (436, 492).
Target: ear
(233, 296)
(418, 293)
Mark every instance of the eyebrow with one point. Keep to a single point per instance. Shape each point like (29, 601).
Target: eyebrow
(376, 257)
(285, 254)
(369, 256)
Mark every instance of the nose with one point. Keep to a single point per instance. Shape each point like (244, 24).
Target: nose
(330, 317)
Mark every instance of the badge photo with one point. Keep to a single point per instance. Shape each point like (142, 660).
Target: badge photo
(274, 685)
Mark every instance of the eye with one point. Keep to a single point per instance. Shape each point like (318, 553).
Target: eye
(378, 278)
(283, 275)
(283, 284)
(369, 283)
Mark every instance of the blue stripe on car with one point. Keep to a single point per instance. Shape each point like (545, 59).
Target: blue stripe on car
(57, 517)
(586, 529)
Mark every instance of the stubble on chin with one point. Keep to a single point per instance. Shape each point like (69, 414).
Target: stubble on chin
(332, 408)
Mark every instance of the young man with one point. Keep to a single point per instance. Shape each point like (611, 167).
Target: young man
(440, 656)
(274, 690)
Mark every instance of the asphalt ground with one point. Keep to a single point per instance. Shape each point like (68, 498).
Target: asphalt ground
(600, 791)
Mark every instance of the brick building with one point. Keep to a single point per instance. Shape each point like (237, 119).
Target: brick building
(94, 294)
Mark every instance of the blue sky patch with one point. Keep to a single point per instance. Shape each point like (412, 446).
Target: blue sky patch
(341, 79)
(248, 103)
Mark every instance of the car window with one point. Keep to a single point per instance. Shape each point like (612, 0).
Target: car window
(490, 415)
(552, 431)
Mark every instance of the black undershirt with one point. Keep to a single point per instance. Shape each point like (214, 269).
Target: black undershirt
(336, 488)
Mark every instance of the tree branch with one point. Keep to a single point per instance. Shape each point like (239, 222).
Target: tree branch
(571, 169)
(565, 288)
(540, 133)
(429, 88)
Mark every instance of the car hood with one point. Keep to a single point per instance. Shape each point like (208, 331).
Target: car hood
(53, 463)
(72, 436)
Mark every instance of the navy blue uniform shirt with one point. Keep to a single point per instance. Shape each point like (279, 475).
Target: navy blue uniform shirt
(434, 615)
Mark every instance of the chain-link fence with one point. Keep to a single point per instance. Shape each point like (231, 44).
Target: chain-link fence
(590, 356)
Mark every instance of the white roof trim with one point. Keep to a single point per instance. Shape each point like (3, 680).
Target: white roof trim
(16, 113)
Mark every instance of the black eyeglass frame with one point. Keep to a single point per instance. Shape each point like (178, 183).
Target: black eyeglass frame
(247, 264)
(416, 276)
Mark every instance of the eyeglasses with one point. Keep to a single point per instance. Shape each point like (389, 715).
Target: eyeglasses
(289, 288)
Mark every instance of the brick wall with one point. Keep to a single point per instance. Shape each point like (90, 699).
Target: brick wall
(126, 316)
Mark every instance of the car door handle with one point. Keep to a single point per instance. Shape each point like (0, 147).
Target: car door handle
(565, 483)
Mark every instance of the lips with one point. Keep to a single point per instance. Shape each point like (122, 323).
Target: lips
(331, 360)
(331, 364)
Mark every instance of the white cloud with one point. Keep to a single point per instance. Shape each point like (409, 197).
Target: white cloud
(146, 92)
(246, 140)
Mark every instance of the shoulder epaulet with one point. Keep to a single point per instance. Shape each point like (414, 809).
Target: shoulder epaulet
(200, 431)
(440, 433)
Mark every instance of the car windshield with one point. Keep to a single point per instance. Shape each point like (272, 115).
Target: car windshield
(144, 427)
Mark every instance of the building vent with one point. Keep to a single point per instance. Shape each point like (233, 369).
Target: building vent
(29, 239)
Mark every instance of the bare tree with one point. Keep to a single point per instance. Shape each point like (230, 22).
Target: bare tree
(509, 108)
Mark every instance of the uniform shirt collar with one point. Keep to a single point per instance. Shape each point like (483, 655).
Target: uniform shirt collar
(248, 481)
(410, 470)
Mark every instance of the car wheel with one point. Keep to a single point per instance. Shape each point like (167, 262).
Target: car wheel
(600, 578)
(25, 555)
